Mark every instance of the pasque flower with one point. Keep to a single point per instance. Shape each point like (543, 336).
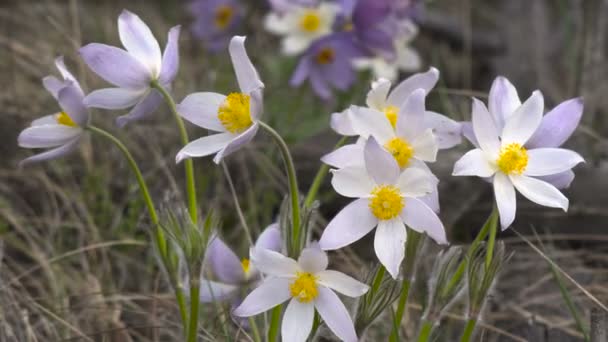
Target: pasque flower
(132, 71)
(328, 63)
(555, 127)
(231, 272)
(235, 116)
(215, 21)
(300, 25)
(387, 198)
(309, 286)
(503, 155)
(60, 132)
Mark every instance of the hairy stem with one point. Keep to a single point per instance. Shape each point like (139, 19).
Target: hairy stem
(405, 290)
(194, 304)
(468, 330)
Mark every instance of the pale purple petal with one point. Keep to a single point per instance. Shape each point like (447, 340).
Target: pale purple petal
(389, 244)
(46, 120)
(139, 41)
(421, 218)
(340, 122)
(114, 98)
(211, 291)
(467, 132)
(560, 180)
(432, 200)
(319, 84)
(485, 128)
(224, 263)
(558, 125)
(550, 161)
(368, 122)
(52, 154)
(47, 136)
(52, 84)
(415, 182)
(65, 73)
(349, 225)
(313, 260)
(204, 146)
(540, 192)
(71, 101)
(236, 143)
(270, 293)
(377, 96)
(506, 200)
(297, 321)
(379, 163)
(347, 155)
(342, 283)
(425, 146)
(270, 238)
(410, 121)
(522, 124)
(273, 263)
(474, 163)
(503, 101)
(335, 315)
(246, 74)
(145, 106)
(301, 73)
(425, 81)
(256, 104)
(116, 66)
(170, 62)
(352, 181)
(447, 131)
(201, 109)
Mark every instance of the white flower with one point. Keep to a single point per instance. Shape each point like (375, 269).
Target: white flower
(386, 198)
(502, 155)
(235, 116)
(301, 25)
(308, 285)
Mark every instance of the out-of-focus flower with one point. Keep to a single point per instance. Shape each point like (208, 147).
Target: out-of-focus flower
(231, 272)
(503, 156)
(301, 25)
(282, 6)
(387, 198)
(308, 285)
(215, 21)
(235, 116)
(61, 132)
(554, 130)
(327, 64)
(133, 70)
(371, 25)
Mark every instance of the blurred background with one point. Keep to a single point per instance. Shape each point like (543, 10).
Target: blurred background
(76, 263)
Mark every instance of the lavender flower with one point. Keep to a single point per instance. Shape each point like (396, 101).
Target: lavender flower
(215, 21)
(133, 70)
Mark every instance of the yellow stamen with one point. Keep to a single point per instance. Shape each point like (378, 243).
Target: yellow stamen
(304, 288)
(223, 16)
(64, 119)
(246, 265)
(512, 159)
(310, 21)
(325, 56)
(386, 202)
(391, 114)
(235, 113)
(401, 150)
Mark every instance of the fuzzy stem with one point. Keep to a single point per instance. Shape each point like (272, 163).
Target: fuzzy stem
(293, 185)
(492, 238)
(405, 290)
(275, 318)
(188, 163)
(468, 330)
(181, 303)
(425, 331)
(320, 177)
(194, 304)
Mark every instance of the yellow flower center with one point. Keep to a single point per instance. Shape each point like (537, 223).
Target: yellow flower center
(310, 21)
(64, 119)
(391, 114)
(386, 202)
(246, 264)
(223, 16)
(234, 113)
(304, 288)
(512, 159)
(401, 150)
(325, 56)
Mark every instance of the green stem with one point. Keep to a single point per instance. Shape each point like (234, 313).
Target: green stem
(468, 330)
(275, 318)
(425, 331)
(293, 184)
(405, 290)
(320, 177)
(492, 238)
(188, 163)
(194, 304)
(378, 280)
(254, 329)
(181, 302)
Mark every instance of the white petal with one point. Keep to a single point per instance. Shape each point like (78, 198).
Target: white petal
(448, 132)
(297, 321)
(503, 101)
(335, 315)
(137, 38)
(379, 163)
(410, 121)
(114, 98)
(352, 181)
(204, 146)
(273, 263)
(485, 128)
(408, 59)
(368, 122)
(313, 260)
(505, 199)
(349, 225)
(474, 163)
(246, 74)
(389, 244)
(376, 97)
(348, 155)
(211, 291)
(540, 192)
(425, 146)
(52, 153)
(50, 119)
(340, 122)
(238, 142)
(342, 283)
(275, 23)
(415, 182)
(295, 44)
(47, 136)
(201, 109)
(425, 80)
(550, 161)
(522, 124)
(270, 293)
(421, 218)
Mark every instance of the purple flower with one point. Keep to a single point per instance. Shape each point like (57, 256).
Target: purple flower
(372, 27)
(133, 70)
(328, 63)
(60, 131)
(215, 21)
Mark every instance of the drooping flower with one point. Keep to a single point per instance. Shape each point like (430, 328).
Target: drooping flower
(235, 116)
(309, 286)
(554, 130)
(300, 25)
(60, 132)
(231, 272)
(503, 156)
(215, 21)
(132, 71)
(387, 198)
(328, 63)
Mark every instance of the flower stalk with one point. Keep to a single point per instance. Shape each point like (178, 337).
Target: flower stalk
(425, 331)
(468, 330)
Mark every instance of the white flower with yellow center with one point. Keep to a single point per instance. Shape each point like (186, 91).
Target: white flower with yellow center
(502, 155)
(301, 25)
(387, 198)
(307, 284)
(235, 116)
